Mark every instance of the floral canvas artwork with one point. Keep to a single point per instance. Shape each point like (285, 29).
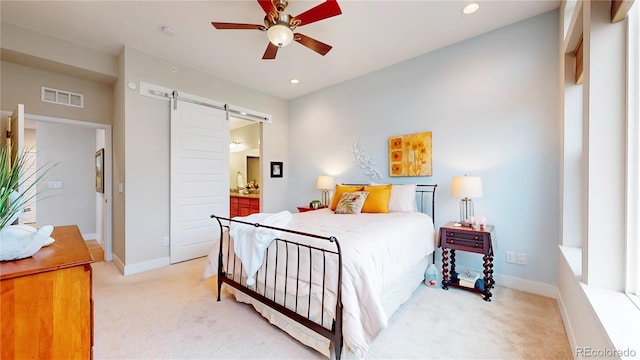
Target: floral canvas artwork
(410, 155)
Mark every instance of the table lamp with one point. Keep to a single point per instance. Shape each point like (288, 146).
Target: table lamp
(466, 187)
(325, 183)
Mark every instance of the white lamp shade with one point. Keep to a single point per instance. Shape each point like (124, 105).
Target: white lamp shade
(280, 35)
(325, 182)
(466, 186)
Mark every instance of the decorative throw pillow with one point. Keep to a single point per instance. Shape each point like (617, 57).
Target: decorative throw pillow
(403, 197)
(340, 189)
(351, 202)
(378, 199)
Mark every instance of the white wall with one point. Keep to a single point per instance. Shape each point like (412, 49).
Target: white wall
(30, 139)
(491, 104)
(73, 149)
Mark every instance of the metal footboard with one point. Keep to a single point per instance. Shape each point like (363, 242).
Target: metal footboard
(267, 286)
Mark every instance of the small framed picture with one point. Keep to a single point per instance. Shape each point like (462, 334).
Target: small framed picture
(276, 169)
(100, 171)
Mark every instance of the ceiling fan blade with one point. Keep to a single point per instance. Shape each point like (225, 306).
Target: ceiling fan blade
(267, 6)
(227, 26)
(323, 11)
(271, 52)
(313, 44)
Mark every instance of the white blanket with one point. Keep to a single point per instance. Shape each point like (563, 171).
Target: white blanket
(250, 242)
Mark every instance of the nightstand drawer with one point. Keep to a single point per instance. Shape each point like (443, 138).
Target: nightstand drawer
(463, 235)
(476, 243)
(466, 239)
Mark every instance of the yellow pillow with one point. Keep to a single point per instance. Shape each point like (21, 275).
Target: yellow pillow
(378, 199)
(340, 189)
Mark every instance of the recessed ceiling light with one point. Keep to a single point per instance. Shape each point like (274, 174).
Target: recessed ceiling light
(294, 81)
(470, 8)
(168, 30)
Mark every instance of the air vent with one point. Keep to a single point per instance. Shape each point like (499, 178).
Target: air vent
(62, 97)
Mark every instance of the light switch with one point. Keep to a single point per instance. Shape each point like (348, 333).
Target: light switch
(120, 187)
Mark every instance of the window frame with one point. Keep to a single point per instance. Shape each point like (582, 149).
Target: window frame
(633, 156)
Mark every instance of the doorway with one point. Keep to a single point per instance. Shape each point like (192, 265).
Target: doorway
(245, 153)
(253, 169)
(57, 140)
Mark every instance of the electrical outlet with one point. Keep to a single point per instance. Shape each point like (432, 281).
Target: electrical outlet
(521, 259)
(55, 184)
(511, 257)
(165, 241)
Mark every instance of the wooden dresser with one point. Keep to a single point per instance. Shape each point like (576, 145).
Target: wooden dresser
(46, 307)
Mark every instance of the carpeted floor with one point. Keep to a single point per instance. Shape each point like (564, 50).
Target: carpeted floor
(167, 314)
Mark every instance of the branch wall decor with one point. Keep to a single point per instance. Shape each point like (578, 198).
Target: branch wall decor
(365, 162)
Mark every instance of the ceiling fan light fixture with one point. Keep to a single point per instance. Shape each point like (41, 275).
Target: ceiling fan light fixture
(280, 35)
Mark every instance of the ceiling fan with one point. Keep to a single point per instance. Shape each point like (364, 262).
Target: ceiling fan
(280, 26)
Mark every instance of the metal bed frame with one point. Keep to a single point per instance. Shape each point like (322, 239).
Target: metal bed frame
(227, 273)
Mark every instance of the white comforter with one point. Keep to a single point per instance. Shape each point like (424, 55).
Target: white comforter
(377, 250)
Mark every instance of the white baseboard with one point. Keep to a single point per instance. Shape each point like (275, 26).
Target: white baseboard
(92, 236)
(565, 320)
(146, 266)
(530, 286)
(118, 263)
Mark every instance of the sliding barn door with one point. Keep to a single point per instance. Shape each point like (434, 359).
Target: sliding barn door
(199, 178)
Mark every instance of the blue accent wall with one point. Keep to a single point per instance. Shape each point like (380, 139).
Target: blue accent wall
(491, 103)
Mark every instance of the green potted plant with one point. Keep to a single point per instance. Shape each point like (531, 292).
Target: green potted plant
(18, 241)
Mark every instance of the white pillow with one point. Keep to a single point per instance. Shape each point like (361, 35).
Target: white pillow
(403, 197)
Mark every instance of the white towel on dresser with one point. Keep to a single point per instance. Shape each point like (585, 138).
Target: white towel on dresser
(250, 242)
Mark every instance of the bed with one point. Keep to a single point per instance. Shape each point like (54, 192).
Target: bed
(331, 281)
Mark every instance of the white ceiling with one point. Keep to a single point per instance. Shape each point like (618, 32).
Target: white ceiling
(369, 35)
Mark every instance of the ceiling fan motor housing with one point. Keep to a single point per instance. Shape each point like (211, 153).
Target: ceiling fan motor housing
(280, 5)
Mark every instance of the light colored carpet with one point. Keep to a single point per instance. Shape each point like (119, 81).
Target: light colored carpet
(167, 314)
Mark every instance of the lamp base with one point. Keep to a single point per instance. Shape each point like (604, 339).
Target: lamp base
(466, 210)
(325, 198)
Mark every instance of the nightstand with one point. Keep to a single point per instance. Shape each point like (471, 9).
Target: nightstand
(468, 239)
(306, 208)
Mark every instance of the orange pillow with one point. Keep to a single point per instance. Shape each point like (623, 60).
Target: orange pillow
(341, 189)
(378, 199)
